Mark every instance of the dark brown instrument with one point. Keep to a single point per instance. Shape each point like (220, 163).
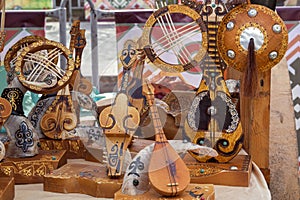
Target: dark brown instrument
(168, 173)
(213, 120)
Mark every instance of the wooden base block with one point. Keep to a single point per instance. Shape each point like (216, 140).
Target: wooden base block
(33, 169)
(7, 188)
(236, 172)
(193, 192)
(81, 178)
(74, 147)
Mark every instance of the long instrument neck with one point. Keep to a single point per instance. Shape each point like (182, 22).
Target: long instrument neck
(158, 128)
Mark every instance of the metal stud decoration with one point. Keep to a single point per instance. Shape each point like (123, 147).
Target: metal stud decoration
(248, 21)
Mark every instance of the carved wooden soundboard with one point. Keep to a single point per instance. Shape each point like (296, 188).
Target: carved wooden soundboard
(7, 188)
(82, 178)
(193, 192)
(33, 169)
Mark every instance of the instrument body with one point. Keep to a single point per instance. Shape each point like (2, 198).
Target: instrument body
(213, 120)
(120, 120)
(168, 174)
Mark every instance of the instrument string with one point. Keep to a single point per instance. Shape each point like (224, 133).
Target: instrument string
(162, 139)
(42, 62)
(165, 32)
(215, 69)
(181, 31)
(181, 45)
(168, 47)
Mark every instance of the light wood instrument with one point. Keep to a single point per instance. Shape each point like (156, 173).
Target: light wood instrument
(60, 118)
(78, 42)
(168, 173)
(120, 120)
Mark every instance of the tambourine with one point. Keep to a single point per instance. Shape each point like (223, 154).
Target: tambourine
(37, 68)
(248, 21)
(171, 47)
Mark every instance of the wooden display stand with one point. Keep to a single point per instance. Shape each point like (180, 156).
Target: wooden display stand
(75, 149)
(33, 169)
(82, 178)
(255, 118)
(193, 192)
(7, 188)
(236, 172)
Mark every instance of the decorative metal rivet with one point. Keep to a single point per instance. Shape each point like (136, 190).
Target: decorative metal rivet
(231, 54)
(135, 182)
(276, 28)
(230, 25)
(252, 12)
(233, 168)
(212, 110)
(273, 55)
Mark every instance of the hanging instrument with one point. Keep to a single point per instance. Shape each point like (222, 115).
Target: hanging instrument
(213, 120)
(168, 174)
(163, 39)
(120, 120)
(252, 21)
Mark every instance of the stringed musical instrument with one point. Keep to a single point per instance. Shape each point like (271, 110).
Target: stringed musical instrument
(78, 42)
(174, 40)
(168, 174)
(60, 117)
(119, 122)
(213, 120)
(37, 69)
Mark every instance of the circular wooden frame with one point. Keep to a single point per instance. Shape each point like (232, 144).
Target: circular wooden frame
(252, 21)
(146, 38)
(13, 51)
(45, 45)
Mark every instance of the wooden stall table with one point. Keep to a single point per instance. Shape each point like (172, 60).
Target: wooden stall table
(257, 189)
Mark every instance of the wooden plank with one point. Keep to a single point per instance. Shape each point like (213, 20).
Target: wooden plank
(84, 179)
(255, 118)
(7, 188)
(32, 169)
(236, 172)
(284, 182)
(193, 192)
